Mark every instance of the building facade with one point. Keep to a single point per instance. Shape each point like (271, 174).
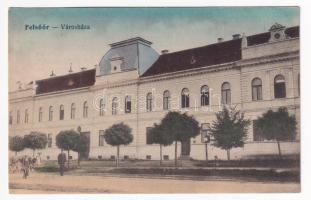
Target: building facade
(136, 85)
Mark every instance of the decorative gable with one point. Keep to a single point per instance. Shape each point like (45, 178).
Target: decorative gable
(277, 32)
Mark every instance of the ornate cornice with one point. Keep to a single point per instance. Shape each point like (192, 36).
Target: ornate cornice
(269, 59)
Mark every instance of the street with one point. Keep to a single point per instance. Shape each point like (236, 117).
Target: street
(44, 183)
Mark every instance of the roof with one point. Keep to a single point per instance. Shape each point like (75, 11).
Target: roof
(131, 40)
(218, 53)
(66, 82)
(264, 37)
(213, 54)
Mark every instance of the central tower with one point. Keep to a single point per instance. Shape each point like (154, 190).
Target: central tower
(127, 55)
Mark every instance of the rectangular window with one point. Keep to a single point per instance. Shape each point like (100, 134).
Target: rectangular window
(184, 101)
(256, 135)
(49, 140)
(101, 138)
(165, 103)
(280, 90)
(51, 113)
(257, 93)
(148, 138)
(101, 107)
(73, 113)
(61, 115)
(149, 105)
(40, 114)
(128, 106)
(226, 97)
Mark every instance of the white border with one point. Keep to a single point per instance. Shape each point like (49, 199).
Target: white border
(305, 94)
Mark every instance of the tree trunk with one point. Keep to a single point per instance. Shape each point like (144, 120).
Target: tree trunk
(279, 148)
(79, 159)
(206, 153)
(118, 153)
(228, 154)
(33, 153)
(15, 153)
(175, 153)
(68, 160)
(160, 154)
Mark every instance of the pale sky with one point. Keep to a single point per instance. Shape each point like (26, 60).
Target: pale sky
(33, 54)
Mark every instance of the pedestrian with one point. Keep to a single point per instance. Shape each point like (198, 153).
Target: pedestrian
(61, 161)
(30, 164)
(25, 167)
(34, 162)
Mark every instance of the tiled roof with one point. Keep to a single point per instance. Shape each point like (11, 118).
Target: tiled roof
(66, 82)
(213, 54)
(292, 31)
(194, 58)
(264, 37)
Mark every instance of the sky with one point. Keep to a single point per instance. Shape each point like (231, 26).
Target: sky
(34, 54)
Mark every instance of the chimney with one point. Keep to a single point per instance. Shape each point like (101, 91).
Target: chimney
(220, 39)
(236, 36)
(52, 74)
(70, 69)
(165, 51)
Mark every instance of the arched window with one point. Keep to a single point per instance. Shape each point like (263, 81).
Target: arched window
(256, 89)
(166, 100)
(149, 102)
(85, 109)
(50, 113)
(26, 116)
(61, 112)
(73, 111)
(128, 104)
(204, 95)
(114, 106)
(18, 119)
(40, 114)
(279, 86)
(225, 93)
(185, 98)
(101, 107)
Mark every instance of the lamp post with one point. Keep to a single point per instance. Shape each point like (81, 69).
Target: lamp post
(79, 154)
(205, 138)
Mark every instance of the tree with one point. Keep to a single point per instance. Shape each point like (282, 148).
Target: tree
(181, 126)
(278, 126)
(118, 134)
(81, 146)
(67, 140)
(35, 140)
(229, 130)
(16, 144)
(161, 137)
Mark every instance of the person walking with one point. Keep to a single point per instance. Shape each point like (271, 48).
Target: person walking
(25, 167)
(61, 161)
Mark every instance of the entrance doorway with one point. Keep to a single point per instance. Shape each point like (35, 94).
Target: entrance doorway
(86, 137)
(185, 148)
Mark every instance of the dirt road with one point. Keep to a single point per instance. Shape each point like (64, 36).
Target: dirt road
(40, 183)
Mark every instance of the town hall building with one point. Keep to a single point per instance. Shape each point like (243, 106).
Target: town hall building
(136, 85)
